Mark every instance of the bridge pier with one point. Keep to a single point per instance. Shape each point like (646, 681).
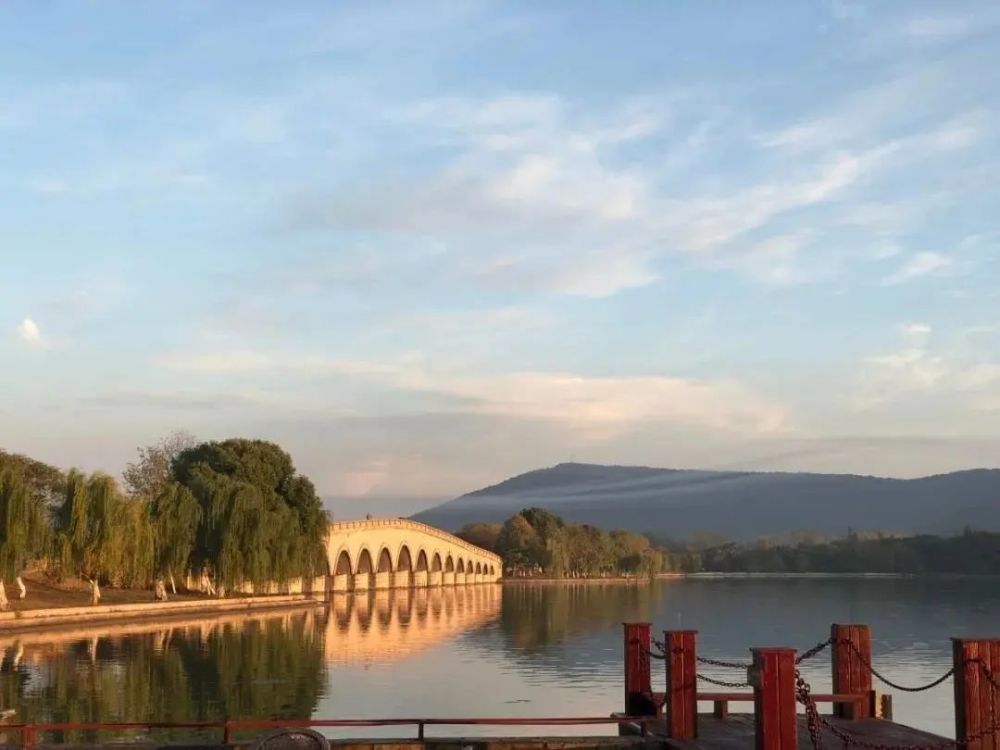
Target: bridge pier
(401, 579)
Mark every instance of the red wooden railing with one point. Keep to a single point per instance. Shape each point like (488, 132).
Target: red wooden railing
(30, 731)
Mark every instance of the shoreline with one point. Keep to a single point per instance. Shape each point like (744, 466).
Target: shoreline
(57, 617)
(742, 576)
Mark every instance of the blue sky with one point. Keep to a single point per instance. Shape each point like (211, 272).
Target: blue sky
(427, 246)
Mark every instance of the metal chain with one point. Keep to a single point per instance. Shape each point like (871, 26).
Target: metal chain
(653, 654)
(723, 664)
(816, 723)
(722, 683)
(895, 685)
(817, 649)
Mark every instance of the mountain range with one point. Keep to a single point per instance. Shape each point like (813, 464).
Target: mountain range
(739, 505)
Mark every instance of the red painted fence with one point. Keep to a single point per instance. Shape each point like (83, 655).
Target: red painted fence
(777, 688)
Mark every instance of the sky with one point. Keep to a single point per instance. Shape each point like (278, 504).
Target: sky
(427, 246)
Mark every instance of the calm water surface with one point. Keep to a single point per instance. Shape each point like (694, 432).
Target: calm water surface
(517, 650)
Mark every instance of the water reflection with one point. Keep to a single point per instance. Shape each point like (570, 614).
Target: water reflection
(517, 650)
(391, 625)
(185, 671)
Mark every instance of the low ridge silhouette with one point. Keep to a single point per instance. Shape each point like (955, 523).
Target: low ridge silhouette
(738, 504)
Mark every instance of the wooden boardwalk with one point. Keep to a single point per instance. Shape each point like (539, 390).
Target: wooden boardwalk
(736, 732)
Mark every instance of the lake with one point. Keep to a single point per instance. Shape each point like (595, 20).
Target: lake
(513, 650)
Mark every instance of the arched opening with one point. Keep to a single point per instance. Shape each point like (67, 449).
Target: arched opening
(403, 577)
(461, 565)
(492, 571)
(384, 562)
(343, 578)
(436, 563)
(479, 569)
(449, 565)
(422, 561)
(362, 578)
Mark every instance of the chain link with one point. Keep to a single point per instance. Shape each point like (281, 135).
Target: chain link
(817, 649)
(653, 654)
(895, 685)
(722, 683)
(816, 723)
(723, 664)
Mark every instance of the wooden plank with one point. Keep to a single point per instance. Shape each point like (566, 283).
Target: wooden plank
(738, 732)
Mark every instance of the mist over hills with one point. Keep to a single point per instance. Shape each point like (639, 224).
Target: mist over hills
(739, 505)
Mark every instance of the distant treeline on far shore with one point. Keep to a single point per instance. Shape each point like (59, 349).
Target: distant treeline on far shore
(536, 542)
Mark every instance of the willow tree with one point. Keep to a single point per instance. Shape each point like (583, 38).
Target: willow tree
(24, 530)
(261, 521)
(176, 516)
(103, 536)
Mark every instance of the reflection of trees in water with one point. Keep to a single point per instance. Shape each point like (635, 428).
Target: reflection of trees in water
(269, 668)
(538, 615)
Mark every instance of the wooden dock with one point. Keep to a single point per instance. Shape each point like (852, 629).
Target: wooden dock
(738, 732)
(856, 716)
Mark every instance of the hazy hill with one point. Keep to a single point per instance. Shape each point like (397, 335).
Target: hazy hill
(740, 505)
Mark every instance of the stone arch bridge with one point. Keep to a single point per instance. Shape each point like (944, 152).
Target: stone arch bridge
(391, 553)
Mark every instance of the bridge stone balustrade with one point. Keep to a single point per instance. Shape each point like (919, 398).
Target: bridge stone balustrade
(396, 553)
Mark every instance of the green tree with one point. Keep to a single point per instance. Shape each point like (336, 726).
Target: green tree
(103, 536)
(24, 529)
(483, 535)
(45, 483)
(260, 520)
(520, 545)
(176, 516)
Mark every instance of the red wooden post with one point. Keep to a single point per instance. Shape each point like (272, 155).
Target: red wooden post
(682, 684)
(851, 656)
(977, 701)
(638, 683)
(773, 678)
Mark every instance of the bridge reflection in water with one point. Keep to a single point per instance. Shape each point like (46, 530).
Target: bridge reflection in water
(391, 625)
(273, 665)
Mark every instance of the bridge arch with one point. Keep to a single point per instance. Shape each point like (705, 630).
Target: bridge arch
(364, 572)
(393, 553)
(403, 577)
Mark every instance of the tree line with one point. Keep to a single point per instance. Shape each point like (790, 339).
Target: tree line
(538, 542)
(972, 552)
(235, 511)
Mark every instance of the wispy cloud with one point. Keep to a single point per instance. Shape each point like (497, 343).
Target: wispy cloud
(917, 266)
